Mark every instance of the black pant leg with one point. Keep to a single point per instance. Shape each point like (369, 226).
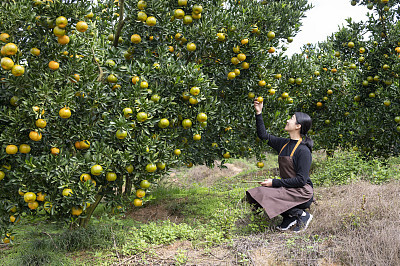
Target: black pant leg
(298, 210)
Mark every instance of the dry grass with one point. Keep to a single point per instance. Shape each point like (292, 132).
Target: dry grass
(355, 224)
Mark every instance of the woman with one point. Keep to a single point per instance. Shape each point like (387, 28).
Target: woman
(293, 193)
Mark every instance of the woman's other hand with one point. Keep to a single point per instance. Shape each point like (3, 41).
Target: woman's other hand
(258, 106)
(266, 183)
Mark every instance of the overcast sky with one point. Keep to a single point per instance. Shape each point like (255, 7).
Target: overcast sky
(324, 19)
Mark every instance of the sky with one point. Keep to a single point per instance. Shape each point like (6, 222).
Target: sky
(324, 19)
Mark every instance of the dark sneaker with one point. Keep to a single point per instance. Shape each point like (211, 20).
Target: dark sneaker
(302, 222)
(287, 223)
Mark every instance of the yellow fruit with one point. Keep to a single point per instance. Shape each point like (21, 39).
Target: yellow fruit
(96, 169)
(245, 65)
(47, 206)
(241, 57)
(53, 65)
(81, 26)
(111, 176)
(7, 63)
(191, 47)
(129, 168)
(63, 40)
(85, 177)
(10, 49)
(135, 38)
(137, 202)
(65, 112)
(24, 148)
(61, 22)
(151, 168)
(41, 123)
(29, 197)
(41, 196)
(76, 211)
(18, 70)
(226, 155)
(140, 193)
(67, 192)
(11, 149)
(2, 175)
(151, 21)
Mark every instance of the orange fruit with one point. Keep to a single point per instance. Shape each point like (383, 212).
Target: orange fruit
(81, 26)
(58, 31)
(11, 149)
(179, 13)
(24, 148)
(177, 152)
(135, 38)
(141, 116)
(146, 184)
(53, 65)
(35, 51)
(140, 193)
(231, 75)
(41, 123)
(163, 123)
(63, 40)
(65, 112)
(10, 49)
(33, 205)
(111, 176)
(55, 151)
(151, 168)
(7, 63)
(191, 47)
(35, 136)
(67, 192)
(96, 169)
(29, 197)
(61, 22)
(85, 177)
(196, 137)
(41, 196)
(245, 65)
(18, 70)
(137, 202)
(151, 21)
(4, 37)
(241, 57)
(76, 211)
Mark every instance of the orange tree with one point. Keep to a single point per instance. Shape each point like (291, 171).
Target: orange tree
(100, 99)
(358, 105)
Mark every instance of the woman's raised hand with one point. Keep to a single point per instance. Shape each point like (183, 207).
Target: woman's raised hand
(258, 106)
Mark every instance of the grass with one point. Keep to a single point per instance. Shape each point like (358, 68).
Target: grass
(200, 215)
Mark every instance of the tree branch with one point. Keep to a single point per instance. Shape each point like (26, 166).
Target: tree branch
(120, 23)
(98, 65)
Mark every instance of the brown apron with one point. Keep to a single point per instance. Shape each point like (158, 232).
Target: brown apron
(278, 200)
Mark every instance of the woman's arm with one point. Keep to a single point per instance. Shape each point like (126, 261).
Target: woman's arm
(275, 142)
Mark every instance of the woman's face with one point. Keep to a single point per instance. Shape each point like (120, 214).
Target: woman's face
(292, 125)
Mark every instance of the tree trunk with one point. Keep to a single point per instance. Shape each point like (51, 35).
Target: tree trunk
(85, 221)
(128, 187)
